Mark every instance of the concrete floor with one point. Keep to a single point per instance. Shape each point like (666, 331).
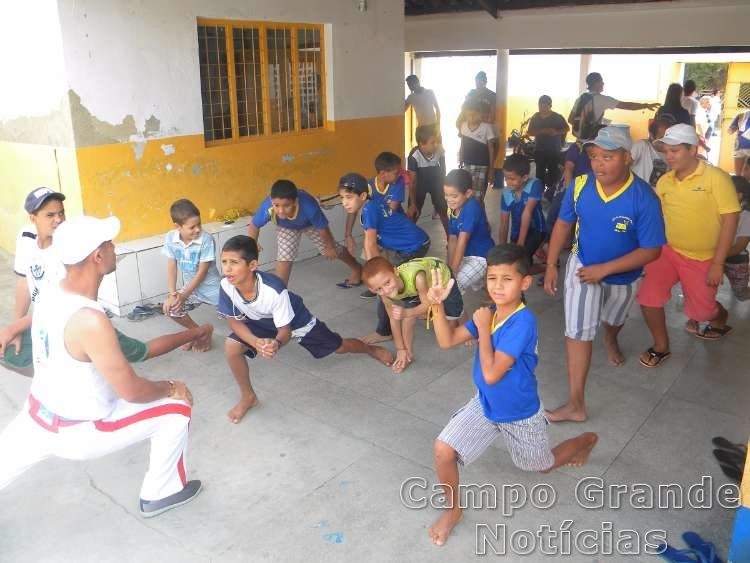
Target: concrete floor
(314, 473)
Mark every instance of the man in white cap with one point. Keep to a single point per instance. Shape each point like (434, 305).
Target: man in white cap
(85, 399)
(619, 229)
(701, 211)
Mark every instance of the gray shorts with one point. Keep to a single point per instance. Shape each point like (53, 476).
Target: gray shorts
(588, 304)
(469, 432)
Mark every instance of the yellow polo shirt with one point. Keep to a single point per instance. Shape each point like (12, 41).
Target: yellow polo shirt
(692, 207)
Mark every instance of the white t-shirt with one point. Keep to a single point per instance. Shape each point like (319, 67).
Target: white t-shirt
(424, 103)
(40, 267)
(644, 154)
(743, 227)
(601, 104)
(691, 104)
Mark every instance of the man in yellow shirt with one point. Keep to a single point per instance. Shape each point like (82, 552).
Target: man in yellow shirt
(701, 211)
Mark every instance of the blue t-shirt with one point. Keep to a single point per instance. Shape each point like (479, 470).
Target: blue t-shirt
(392, 192)
(533, 189)
(189, 257)
(272, 308)
(395, 229)
(472, 219)
(611, 227)
(515, 396)
(580, 159)
(309, 214)
(741, 122)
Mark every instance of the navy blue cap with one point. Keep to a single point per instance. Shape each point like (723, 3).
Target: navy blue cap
(37, 197)
(355, 182)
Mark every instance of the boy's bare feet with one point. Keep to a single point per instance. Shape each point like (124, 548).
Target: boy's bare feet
(566, 413)
(187, 347)
(400, 367)
(240, 409)
(203, 342)
(588, 441)
(444, 525)
(614, 354)
(381, 354)
(375, 338)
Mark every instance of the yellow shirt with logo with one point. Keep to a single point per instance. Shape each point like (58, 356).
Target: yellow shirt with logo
(692, 209)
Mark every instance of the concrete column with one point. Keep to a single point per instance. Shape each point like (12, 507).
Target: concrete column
(584, 69)
(501, 105)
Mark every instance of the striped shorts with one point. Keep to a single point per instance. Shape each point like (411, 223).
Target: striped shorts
(288, 242)
(588, 304)
(478, 178)
(471, 273)
(469, 433)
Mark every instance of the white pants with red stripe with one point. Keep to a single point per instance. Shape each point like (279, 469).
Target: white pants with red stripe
(25, 442)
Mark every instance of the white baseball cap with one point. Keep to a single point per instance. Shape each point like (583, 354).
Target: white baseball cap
(78, 237)
(678, 134)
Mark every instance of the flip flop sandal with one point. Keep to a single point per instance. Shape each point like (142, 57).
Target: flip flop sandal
(724, 444)
(346, 284)
(669, 553)
(707, 549)
(692, 329)
(721, 331)
(654, 355)
(730, 458)
(139, 313)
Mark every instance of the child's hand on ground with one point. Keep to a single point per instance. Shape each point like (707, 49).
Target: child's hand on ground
(715, 275)
(592, 274)
(330, 253)
(550, 279)
(437, 293)
(483, 317)
(402, 361)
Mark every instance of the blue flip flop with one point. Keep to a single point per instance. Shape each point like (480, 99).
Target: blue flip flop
(347, 285)
(669, 553)
(707, 549)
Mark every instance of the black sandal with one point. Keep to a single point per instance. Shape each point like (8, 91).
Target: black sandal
(654, 355)
(720, 331)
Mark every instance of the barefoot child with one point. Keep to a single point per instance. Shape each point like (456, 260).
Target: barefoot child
(506, 403)
(469, 237)
(38, 269)
(295, 212)
(520, 208)
(403, 290)
(387, 232)
(619, 229)
(190, 252)
(264, 316)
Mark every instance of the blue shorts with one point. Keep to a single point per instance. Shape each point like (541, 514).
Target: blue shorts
(315, 337)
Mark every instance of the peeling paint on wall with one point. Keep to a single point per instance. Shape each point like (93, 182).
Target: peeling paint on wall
(287, 157)
(151, 127)
(167, 149)
(89, 130)
(168, 167)
(54, 129)
(138, 148)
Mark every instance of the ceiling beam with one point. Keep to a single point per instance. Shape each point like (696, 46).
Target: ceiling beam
(490, 6)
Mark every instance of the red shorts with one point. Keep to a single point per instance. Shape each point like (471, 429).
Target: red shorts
(671, 267)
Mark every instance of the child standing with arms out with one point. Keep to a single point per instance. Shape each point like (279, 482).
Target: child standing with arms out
(295, 212)
(619, 229)
(507, 403)
(388, 233)
(427, 162)
(477, 152)
(403, 290)
(736, 265)
(190, 252)
(520, 207)
(264, 316)
(469, 237)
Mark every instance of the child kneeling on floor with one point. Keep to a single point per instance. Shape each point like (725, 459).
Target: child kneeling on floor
(403, 290)
(264, 316)
(507, 403)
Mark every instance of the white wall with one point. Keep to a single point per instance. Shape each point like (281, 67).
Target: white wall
(141, 58)
(662, 24)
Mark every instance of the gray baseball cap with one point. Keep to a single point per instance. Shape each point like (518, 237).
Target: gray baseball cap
(613, 137)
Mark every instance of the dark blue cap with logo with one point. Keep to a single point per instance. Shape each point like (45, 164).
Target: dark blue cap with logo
(354, 182)
(38, 196)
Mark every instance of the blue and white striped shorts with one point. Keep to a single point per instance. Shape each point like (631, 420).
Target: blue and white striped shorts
(588, 304)
(469, 433)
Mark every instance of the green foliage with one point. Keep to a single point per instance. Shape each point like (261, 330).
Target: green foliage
(707, 76)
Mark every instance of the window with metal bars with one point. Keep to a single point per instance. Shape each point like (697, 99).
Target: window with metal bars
(260, 79)
(743, 98)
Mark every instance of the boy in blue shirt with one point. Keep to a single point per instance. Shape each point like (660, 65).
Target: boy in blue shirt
(469, 237)
(295, 212)
(520, 207)
(507, 403)
(190, 252)
(387, 232)
(619, 229)
(264, 316)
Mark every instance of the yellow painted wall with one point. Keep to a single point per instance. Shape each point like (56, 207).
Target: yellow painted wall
(239, 175)
(737, 74)
(29, 166)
